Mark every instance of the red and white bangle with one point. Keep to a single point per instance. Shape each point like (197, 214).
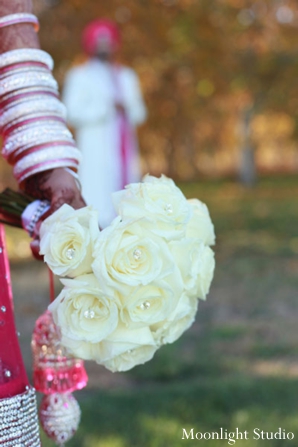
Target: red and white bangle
(30, 148)
(23, 99)
(22, 70)
(30, 119)
(27, 108)
(22, 17)
(28, 79)
(34, 136)
(33, 119)
(13, 98)
(45, 159)
(25, 55)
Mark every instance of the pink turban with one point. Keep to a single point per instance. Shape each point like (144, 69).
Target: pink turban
(97, 28)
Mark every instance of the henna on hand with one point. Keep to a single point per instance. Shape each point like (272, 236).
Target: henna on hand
(57, 186)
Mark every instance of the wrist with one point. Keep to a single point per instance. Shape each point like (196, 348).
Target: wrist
(56, 184)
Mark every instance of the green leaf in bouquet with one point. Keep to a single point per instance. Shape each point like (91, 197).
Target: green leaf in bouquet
(12, 205)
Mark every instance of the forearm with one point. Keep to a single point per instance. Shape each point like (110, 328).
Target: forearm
(36, 140)
(17, 36)
(10, 38)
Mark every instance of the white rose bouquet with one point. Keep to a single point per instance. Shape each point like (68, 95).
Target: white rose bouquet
(134, 286)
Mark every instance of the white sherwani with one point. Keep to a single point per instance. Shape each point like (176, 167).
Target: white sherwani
(90, 93)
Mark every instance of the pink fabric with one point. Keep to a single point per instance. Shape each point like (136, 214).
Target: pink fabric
(97, 28)
(127, 143)
(124, 150)
(11, 361)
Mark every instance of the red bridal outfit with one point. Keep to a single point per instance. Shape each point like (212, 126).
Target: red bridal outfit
(18, 418)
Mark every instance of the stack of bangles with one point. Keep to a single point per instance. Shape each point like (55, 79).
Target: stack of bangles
(32, 117)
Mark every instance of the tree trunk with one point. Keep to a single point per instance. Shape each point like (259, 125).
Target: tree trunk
(247, 167)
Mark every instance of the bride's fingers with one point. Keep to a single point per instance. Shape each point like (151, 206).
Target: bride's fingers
(66, 195)
(34, 245)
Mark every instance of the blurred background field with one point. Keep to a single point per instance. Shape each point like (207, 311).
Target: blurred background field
(220, 81)
(236, 367)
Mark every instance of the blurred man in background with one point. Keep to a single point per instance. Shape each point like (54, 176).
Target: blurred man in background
(104, 104)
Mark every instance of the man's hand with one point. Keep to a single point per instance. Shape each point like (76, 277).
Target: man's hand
(58, 186)
(120, 108)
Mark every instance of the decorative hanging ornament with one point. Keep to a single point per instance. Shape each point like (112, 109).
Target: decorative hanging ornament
(59, 416)
(56, 376)
(53, 371)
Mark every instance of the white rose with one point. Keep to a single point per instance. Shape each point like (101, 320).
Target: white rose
(66, 240)
(188, 255)
(126, 253)
(80, 349)
(131, 358)
(83, 311)
(178, 322)
(147, 305)
(200, 225)
(205, 274)
(126, 348)
(196, 264)
(159, 180)
(160, 201)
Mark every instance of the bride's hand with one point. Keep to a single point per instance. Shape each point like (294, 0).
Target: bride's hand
(58, 186)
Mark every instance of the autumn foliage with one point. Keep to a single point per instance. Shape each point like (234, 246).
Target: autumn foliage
(202, 65)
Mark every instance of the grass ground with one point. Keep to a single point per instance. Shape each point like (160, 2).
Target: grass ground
(237, 367)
